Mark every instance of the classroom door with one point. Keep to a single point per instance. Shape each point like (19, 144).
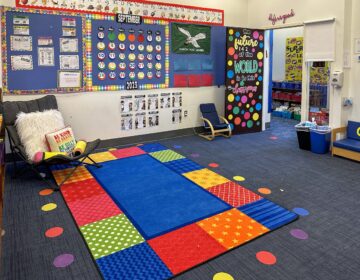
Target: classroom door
(244, 79)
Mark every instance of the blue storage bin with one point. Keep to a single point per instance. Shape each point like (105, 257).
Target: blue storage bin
(320, 139)
(287, 115)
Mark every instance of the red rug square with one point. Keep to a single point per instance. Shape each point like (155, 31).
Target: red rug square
(186, 247)
(81, 189)
(93, 209)
(234, 194)
(127, 152)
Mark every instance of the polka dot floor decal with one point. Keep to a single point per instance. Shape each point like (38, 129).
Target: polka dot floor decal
(213, 165)
(54, 232)
(112, 149)
(2, 232)
(46, 192)
(301, 211)
(63, 260)
(177, 147)
(195, 155)
(223, 276)
(273, 138)
(48, 207)
(299, 234)
(266, 257)
(239, 178)
(264, 191)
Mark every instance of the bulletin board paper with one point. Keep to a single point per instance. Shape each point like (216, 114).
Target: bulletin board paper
(110, 68)
(45, 31)
(244, 79)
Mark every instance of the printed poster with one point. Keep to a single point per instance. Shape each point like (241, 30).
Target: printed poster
(153, 118)
(22, 20)
(176, 116)
(244, 79)
(69, 62)
(21, 62)
(190, 38)
(126, 121)
(69, 79)
(21, 30)
(21, 43)
(45, 41)
(294, 59)
(139, 103)
(165, 100)
(46, 56)
(68, 45)
(140, 120)
(153, 102)
(177, 99)
(126, 104)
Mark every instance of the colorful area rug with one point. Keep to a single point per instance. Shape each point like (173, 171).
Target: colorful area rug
(151, 213)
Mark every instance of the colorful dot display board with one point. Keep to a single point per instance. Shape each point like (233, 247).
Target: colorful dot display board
(116, 237)
(126, 56)
(244, 79)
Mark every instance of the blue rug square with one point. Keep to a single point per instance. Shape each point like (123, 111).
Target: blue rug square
(139, 262)
(181, 166)
(269, 214)
(155, 198)
(152, 147)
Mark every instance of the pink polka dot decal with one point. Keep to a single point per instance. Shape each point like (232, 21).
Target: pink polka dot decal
(244, 79)
(299, 234)
(63, 260)
(213, 165)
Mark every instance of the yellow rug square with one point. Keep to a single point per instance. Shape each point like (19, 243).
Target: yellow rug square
(101, 157)
(80, 174)
(205, 178)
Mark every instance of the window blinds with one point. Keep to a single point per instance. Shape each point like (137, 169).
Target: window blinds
(319, 40)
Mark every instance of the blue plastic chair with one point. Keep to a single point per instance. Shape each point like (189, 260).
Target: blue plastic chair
(213, 126)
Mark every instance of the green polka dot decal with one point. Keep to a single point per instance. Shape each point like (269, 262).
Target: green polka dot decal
(110, 235)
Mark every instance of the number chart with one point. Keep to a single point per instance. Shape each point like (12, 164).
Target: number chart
(126, 56)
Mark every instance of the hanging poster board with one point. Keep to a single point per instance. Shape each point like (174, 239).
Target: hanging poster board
(294, 59)
(244, 79)
(33, 44)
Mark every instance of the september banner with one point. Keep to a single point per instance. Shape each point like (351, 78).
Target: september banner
(294, 59)
(244, 79)
(190, 39)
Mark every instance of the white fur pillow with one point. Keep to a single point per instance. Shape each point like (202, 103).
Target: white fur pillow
(32, 128)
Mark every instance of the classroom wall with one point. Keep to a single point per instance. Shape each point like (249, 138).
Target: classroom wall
(354, 80)
(279, 49)
(97, 114)
(306, 10)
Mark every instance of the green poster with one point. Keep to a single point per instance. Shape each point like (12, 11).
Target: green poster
(190, 38)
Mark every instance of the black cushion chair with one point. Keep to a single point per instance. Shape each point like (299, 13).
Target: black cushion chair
(10, 111)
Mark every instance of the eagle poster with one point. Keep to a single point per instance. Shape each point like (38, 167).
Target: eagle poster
(190, 38)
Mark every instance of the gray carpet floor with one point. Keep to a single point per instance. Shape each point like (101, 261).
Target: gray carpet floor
(329, 188)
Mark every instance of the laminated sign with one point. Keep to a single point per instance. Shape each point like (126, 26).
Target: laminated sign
(190, 39)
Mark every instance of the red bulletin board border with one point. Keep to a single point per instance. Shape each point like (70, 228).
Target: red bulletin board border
(20, 4)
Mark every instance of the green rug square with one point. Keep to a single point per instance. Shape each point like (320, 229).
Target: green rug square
(166, 155)
(110, 235)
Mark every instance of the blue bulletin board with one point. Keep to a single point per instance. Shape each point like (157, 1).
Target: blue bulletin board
(43, 52)
(126, 56)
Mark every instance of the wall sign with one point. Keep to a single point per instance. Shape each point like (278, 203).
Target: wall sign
(244, 79)
(190, 39)
(153, 10)
(131, 19)
(274, 18)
